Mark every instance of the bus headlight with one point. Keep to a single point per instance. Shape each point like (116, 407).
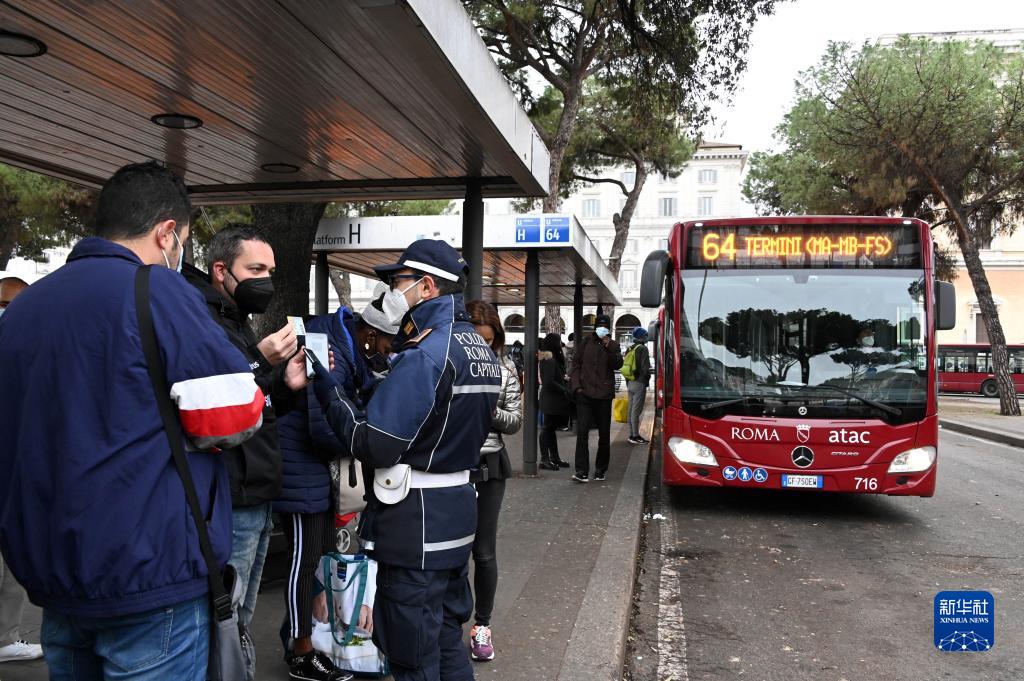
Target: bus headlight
(688, 451)
(913, 460)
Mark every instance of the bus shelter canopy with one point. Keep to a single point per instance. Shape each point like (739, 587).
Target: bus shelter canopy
(265, 100)
(566, 254)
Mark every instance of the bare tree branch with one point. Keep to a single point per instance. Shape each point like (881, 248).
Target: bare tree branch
(605, 180)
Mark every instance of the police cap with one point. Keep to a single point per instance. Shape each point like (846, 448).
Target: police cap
(430, 256)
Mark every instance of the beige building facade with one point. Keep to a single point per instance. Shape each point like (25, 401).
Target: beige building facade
(1004, 265)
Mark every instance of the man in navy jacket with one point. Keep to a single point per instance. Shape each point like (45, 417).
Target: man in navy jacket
(93, 517)
(422, 432)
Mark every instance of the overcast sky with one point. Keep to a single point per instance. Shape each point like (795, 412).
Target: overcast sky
(794, 38)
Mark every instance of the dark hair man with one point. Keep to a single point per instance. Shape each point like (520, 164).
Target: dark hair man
(592, 381)
(93, 517)
(422, 432)
(239, 284)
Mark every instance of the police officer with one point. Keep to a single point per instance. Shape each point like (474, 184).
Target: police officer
(421, 433)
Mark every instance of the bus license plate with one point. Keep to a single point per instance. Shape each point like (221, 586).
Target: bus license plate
(807, 481)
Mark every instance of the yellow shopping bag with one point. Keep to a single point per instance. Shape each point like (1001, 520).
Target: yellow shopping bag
(620, 409)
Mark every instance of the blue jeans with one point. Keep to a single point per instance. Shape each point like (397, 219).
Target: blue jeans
(250, 537)
(166, 643)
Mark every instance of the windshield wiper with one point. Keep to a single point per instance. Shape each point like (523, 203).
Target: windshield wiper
(866, 400)
(726, 403)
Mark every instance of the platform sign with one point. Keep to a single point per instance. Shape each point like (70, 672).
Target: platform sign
(528, 230)
(556, 230)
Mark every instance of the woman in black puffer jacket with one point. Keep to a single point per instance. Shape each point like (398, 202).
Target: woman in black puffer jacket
(554, 400)
(308, 445)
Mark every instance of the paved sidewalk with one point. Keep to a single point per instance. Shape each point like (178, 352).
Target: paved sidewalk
(566, 555)
(1007, 430)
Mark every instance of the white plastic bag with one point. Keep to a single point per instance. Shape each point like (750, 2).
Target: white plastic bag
(350, 582)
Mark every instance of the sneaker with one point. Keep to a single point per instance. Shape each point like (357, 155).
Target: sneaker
(548, 466)
(316, 666)
(634, 439)
(580, 477)
(642, 439)
(481, 647)
(20, 650)
(599, 477)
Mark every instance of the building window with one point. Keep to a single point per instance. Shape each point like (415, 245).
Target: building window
(369, 284)
(631, 246)
(667, 207)
(980, 330)
(629, 179)
(663, 244)
(591, 208)
(515, 323)
(705, 206)
(707, 176)
(627, 278)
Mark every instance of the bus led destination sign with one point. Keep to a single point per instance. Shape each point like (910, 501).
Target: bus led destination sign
(716, 246)
(800, 246)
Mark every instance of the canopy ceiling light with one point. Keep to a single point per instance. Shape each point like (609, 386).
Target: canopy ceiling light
(177, 121)
(280, 168)
(19, 45)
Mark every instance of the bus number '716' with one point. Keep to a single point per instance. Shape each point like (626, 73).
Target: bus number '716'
(869, 484)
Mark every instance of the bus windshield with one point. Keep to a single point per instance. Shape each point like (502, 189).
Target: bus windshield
(794, 343)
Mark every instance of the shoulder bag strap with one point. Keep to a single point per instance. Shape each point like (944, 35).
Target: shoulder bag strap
(172, 427)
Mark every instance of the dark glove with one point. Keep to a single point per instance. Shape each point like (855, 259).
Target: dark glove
(325, 385)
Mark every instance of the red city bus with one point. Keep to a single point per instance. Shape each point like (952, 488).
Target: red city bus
(799, 352)
(968, 369)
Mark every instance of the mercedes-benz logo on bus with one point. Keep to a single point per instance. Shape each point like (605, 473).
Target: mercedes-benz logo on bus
(803, 457)
(802, 410)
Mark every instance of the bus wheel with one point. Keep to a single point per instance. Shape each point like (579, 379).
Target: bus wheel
(990, 389)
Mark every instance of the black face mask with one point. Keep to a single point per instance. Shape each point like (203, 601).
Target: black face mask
(252, 296)
(378, 363)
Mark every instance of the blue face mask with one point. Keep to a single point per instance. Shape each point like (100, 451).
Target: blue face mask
(602, 332)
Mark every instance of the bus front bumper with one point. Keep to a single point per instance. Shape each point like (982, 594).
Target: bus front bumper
(867, 479)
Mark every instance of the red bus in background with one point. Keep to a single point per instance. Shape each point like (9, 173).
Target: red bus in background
(799, 352)
(968, 369)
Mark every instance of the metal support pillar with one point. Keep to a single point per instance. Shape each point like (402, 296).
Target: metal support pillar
(532, 313)
(577, 314)
(473, 237)
(321, 278)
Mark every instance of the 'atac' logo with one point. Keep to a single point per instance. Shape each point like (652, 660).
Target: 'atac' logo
(803, 433)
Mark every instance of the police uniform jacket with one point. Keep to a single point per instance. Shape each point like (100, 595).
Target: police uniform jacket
(433, 412)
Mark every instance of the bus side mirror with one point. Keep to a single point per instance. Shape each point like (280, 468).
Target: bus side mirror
(945, 306)
(652, 277)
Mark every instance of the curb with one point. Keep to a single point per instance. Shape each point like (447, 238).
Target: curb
(597, 647)
(983, 433)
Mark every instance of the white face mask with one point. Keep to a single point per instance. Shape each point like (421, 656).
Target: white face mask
(602, 332)
(395, 305)
(867, 341)
(181, 254)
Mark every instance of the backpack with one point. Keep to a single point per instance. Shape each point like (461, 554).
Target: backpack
(628, 369)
